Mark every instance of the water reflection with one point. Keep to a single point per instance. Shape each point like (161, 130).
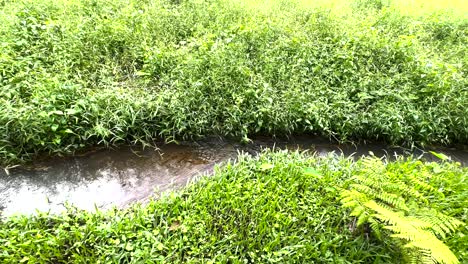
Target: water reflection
(118, 177)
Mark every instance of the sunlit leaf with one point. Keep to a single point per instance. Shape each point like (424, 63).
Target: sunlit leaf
(439, 155)
(266, 166)
(312, 172)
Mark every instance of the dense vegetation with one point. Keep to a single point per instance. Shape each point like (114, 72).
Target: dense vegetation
(77, 73)
(392, 200)
(86, 72)
(282, 207)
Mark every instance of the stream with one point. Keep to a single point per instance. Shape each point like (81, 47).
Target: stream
(117, 177)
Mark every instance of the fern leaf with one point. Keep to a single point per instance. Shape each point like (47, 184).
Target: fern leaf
(395, 197)
(375, 226)
(362, 219)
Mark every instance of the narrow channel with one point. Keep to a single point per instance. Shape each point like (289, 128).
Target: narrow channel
(106, 178)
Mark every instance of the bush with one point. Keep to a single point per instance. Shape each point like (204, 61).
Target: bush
(80, 73)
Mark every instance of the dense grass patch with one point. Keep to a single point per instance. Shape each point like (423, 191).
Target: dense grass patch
(85, 72)
(282, 207)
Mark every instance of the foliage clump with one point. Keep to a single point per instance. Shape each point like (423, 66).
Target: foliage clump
(280, 207)
(80, 73)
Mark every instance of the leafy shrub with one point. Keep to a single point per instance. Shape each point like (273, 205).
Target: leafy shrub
(141, 70)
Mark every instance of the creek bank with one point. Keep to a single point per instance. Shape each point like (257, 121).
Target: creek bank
(106, 178)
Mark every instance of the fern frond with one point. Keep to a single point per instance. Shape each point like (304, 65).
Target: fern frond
(419, 184)
(439, 252)
(375, 226)
(441, 224)
(362, 219)
(395, 198)
(364, 189)
(357, 211)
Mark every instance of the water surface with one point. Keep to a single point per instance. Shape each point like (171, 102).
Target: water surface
(105, 178)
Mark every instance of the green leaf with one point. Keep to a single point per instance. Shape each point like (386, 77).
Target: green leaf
(54, 127)
(129, 247)
(437, 169)
(141, 73)
(312, 172)
(266, 166)
(71, 111)
(56, 112)
(441, 156)
(160, 246)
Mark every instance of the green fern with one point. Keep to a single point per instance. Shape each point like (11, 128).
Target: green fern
(393, 202)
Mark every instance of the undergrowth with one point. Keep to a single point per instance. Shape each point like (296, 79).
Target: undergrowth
(395, 202)
(280, 207)
(86, 72)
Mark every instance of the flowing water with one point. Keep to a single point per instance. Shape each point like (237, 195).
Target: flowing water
(105, 178)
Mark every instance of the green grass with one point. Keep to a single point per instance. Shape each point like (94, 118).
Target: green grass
(85, 72)
(282, 207)
(79, 73)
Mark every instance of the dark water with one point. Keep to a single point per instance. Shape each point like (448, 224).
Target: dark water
(105, 178)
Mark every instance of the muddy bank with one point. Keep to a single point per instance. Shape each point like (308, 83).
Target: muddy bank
(105, 178)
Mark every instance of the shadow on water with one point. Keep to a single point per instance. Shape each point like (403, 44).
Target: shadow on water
(105, 178)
